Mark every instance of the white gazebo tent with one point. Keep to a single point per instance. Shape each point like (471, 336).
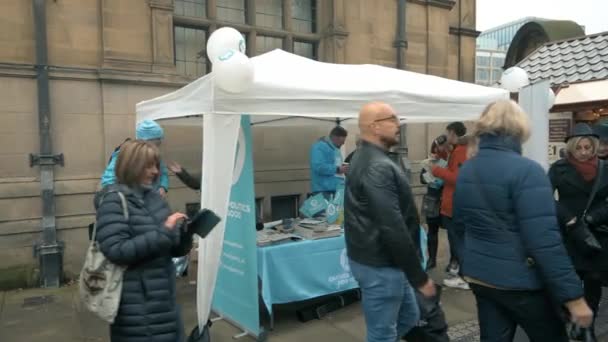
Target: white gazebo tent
(292, 90)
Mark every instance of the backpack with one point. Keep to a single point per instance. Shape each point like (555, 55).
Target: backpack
(116, 149)
(100, 281)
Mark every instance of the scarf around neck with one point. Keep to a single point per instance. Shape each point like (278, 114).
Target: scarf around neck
(587, 169)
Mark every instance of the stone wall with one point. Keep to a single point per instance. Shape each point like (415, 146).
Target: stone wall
(107, 55)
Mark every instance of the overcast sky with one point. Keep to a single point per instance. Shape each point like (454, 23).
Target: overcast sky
(592, 14)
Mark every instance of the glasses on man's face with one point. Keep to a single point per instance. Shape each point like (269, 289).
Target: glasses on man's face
(392, 118)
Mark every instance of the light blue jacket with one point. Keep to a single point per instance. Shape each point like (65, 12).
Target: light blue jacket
(109, 175)
(325, 157)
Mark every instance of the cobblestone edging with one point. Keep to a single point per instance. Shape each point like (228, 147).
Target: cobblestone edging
(464, 332)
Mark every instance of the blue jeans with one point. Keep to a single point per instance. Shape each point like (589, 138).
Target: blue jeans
(389, 302)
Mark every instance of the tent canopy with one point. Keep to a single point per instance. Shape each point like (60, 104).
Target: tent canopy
(292, 90)
(288, 87)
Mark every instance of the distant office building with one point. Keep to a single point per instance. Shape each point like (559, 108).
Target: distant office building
(488, 66)
(505, 45)
(499, 38)
(492, 46)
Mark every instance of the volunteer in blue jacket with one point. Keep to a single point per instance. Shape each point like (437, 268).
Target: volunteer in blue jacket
(326, 164)
(146, 130)
(514, 257)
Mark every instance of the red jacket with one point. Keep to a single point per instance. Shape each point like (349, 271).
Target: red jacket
(449, 176)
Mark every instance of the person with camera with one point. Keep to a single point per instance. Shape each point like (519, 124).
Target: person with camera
(581, 183)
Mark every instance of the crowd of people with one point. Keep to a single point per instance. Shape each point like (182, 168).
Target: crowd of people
(532, 247)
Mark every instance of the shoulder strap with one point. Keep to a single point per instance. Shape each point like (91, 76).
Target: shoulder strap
(596, 185)
(117, 148)
(123, 203)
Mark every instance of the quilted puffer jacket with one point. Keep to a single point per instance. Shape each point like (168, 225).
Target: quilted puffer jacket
(148, 310)
(512, 238)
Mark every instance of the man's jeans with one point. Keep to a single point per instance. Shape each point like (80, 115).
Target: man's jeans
(389, 302)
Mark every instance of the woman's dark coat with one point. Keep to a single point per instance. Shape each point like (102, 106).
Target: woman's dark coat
(574, 192)
(148, 310)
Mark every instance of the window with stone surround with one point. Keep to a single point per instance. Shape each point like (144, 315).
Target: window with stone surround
(271, 24)
(269, 13)
(304, 14)
(265, 44)
(232, 11)
(305, 49)
(190, 57)
(190, 8)
(284, 207)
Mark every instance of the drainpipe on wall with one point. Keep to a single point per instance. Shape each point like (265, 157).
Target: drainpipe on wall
(401, 46)
(48, 249)
(460, 41)
(401, 41)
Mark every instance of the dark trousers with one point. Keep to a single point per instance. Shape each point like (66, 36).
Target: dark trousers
(501, 311)
(454, 238)
(433, 237)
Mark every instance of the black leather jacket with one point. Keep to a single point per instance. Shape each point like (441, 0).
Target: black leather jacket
(380, 214)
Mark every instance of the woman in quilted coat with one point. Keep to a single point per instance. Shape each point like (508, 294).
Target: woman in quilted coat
(514, 258)
(145, 243)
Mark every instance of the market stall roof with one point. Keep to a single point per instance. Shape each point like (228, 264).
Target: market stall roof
(288, 87)
(580, 59)
(584, 92)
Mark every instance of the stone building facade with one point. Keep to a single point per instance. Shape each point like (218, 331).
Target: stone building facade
(104, 56)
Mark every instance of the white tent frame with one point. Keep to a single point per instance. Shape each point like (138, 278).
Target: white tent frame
(292, 90)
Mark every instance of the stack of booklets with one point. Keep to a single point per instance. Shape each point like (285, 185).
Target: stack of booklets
(313, 230)
(314, 225)
(267, 237)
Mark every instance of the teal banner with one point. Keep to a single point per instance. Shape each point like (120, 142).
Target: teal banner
(236, 290)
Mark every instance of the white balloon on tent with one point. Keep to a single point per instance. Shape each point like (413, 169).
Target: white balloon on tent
(233, 72)
(550, 99)
(222, 40)
(513, 79)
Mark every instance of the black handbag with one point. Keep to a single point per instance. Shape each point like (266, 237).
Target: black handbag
(579, 233)
(583, 239)
(431, 206)
(432, 326)
(200, 336)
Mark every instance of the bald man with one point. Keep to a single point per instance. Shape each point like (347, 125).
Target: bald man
(380, 220)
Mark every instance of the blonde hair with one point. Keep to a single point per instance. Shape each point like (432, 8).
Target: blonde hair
(134, 157)
(472, 147)
(574, 141)
(504, 117)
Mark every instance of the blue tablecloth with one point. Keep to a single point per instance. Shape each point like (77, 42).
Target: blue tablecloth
(303, 270)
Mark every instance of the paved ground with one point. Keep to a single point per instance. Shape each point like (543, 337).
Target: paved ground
(41, 315)
(49, 315)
